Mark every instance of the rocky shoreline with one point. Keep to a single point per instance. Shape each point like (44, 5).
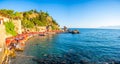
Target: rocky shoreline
(17, 43)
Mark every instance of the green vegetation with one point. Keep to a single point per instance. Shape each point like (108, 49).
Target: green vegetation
(31, 19)
(34, 18)
(28, 24)
(10, 14)
(10, 28)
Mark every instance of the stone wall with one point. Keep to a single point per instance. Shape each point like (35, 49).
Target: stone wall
(2, 35)
(2, 41)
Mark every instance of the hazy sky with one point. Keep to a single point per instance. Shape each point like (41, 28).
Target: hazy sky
(72, 13)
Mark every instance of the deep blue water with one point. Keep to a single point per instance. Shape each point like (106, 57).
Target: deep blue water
(91, 46)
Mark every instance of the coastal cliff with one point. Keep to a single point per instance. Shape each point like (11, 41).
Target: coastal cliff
(29, 20)
(16, 25)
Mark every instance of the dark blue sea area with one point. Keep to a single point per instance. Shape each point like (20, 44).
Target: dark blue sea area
(91, 46)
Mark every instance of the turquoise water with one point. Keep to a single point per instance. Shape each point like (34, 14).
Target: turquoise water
(91, 46)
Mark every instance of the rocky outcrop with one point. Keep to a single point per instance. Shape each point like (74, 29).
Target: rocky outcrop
(75, 32)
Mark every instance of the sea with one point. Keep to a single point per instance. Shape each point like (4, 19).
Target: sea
(91, 46)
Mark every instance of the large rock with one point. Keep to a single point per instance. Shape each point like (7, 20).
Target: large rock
(75, 32)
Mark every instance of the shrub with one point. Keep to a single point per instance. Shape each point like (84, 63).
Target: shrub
(10, 28)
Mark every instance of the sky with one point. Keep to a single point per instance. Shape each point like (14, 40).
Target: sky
(72, 13)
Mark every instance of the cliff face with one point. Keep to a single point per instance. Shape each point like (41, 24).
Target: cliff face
(31, 20)
(18, 26)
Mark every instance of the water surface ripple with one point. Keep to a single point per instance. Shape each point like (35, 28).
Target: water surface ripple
(92, 46)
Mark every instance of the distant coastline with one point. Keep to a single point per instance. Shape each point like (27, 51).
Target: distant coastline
(96, 28)
(110, 27)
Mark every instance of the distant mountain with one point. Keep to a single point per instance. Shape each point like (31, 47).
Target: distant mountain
(110, 27)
